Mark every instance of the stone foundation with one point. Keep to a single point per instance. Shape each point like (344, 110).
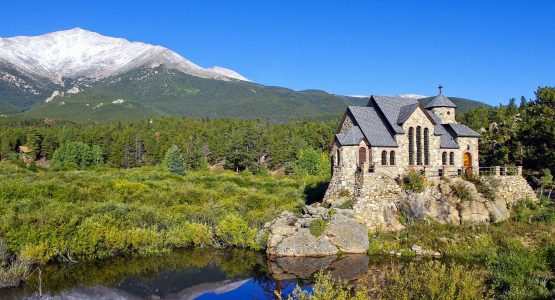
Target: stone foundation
(377, 198)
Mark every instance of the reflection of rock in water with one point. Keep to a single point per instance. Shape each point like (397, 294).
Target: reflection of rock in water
(217, 288)
(102, 292)
(94, 292)
(349, 267)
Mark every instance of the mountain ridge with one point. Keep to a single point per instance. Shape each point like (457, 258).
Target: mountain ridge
(94, 77)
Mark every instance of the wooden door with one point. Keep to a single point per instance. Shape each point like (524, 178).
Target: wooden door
(361, 155)
(467, 162)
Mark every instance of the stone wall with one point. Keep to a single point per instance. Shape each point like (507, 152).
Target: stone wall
(512, 189)
(342, 183)
(375, 200)
(446, 114)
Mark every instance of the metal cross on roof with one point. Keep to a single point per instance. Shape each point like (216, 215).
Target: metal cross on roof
(440, 86)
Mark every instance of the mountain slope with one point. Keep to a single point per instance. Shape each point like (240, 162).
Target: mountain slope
(164, 91)
(82, 75)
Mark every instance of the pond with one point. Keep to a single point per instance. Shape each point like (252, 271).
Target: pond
(192, 274)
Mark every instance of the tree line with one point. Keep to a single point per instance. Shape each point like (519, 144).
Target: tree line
(511, 134)
(234, 144)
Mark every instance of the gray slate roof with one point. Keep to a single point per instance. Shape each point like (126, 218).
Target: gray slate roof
(352, 137)
(391, 107)
(462, 130)
(440, 101)
(379, 129)
(405, 112)
(372, 126)
(446, 140)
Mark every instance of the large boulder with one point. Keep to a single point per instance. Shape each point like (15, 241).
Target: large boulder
(302, 243)
(497, 210)
(290, 235)
(347, 235)
(473, 212)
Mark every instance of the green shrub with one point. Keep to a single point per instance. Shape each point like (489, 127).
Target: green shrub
(407, 253)
(12, 270)
(375, 247)
(434, 280)
(461, 192)
(519, 273)
(317, 227)
(413, 181)
(348, 204)
(327, 288)
(234, 231)
(189, 235)
(486, 185)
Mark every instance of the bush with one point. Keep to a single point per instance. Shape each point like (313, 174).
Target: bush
(346, 205)
(434, 280)
(12, 270)
(413, 181)
(189, 235)
(519, 273)
(234, 231)
(173, 161)
(317, 227)
(461, 192)
(327, 288)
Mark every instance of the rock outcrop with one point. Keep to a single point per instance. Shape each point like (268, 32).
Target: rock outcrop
(459, 202)
(289, 235)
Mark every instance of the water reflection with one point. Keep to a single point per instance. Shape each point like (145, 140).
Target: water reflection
(192, 274)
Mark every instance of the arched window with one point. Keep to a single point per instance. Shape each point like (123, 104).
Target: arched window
(411, 146)
(426, 147)
(418, 145)
(337, 157)
(452, 158)
(384, 158)
(392, 158)
(444, 158)
(361, 155)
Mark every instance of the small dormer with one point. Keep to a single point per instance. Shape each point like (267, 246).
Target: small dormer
(443, 108)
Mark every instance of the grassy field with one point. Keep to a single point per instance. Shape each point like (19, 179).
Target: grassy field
(86, 215)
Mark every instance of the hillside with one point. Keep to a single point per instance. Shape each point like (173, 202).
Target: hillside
(146, 91)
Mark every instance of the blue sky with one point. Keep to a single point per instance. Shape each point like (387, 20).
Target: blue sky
(485, 50)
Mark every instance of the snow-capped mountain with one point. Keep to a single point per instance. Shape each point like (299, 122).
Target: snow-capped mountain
(411, 96)
(80, 53)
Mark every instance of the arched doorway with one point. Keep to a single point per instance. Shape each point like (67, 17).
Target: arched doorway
(361, 155)
(467, 162)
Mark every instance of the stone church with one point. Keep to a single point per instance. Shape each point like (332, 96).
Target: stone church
(391, 135)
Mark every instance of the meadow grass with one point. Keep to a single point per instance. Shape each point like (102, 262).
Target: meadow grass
(99, 213)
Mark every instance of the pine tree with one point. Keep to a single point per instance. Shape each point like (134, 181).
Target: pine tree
(523, 102)
(173, 161)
